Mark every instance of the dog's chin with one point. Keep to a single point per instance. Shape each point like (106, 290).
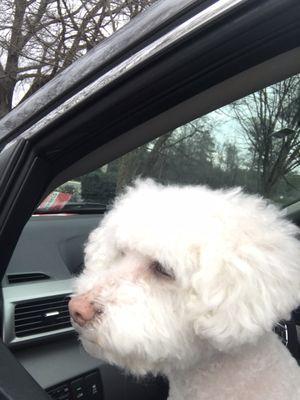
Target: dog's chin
(92, 348)
(99, 343)
(127, 362)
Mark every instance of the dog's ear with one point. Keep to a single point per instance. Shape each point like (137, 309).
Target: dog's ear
(246, 283)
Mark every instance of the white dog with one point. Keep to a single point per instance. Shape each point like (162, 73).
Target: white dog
(188, 282)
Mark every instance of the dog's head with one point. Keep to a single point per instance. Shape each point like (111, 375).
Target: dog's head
(172, 272)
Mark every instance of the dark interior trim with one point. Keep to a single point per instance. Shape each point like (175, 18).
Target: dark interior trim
(24, 182)
(18, 385)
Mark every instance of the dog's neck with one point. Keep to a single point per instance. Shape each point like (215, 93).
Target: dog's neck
(241, 373)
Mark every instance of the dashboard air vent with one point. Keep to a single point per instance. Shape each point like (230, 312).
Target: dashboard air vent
(42, 315)
(27, 277)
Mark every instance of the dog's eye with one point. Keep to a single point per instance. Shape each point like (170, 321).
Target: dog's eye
(159, 269)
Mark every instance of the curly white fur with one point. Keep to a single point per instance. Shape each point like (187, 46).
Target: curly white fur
(234, 270)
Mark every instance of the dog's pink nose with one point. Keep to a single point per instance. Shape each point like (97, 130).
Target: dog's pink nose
(81, 309)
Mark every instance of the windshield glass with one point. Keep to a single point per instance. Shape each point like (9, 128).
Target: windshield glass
(253, 142)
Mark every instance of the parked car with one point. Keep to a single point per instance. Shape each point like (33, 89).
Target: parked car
(201, 92)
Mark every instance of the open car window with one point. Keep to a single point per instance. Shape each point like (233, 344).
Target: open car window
(253, 142)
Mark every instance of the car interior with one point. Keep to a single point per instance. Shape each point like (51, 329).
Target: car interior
(175, 117)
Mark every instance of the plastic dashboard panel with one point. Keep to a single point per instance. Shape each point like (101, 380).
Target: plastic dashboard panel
(54, 245)
(55, 362)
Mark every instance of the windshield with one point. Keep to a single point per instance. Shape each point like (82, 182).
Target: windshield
(74, 196)
(253, 142)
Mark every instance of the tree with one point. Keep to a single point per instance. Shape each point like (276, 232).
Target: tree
(39, 38)
(190, 153)
(177, 156)
(142, 161)
(269, 120)
(230, 164)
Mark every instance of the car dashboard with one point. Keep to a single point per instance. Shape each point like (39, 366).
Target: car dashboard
(36, 325)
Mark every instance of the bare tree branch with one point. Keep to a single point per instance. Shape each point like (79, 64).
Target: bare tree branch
(39, 38)
(260, 115)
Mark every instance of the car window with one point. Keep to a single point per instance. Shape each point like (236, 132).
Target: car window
(253, 142)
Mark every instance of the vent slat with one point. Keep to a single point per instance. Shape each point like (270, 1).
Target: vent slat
(40, 303)
(44, 329)
(27, 277)
(27, 310)
(50, 323)
(33, 316)
(31, 319)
